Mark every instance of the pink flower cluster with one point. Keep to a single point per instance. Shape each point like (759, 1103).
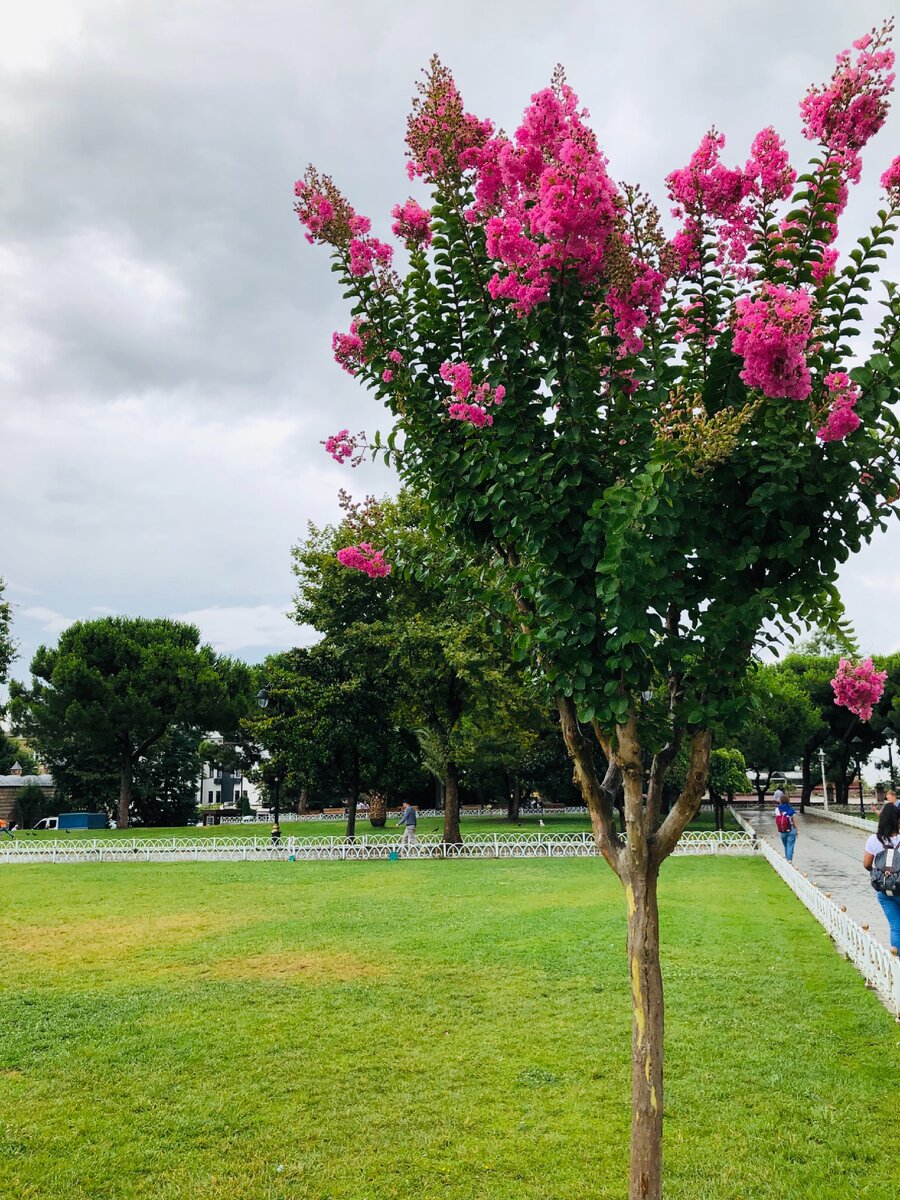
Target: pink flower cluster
(771, 334)
(547, 200)
(710, 196)
(365, 252)
(470, 403)
(340, 445)
(632, 307)
(842, 420)
(315, 211)
(858, 688)
(441, 137)
(364, 558)
(350, 348)
(769, 167)
(412, 223)
(890, 181)
(850, 109)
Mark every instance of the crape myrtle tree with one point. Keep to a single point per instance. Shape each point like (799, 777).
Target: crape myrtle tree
(112, 688)
(660, 443)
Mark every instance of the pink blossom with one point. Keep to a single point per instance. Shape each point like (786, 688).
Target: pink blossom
(395, 356)
(364, 558)
(772, 333)
(770, 167)
(350, 348)
(858, 688)
(468, 402)
(546, 199)
(387, 375)
(890, 181)
(474, 414)
(412, 223)
(366, 252)
(712, 197)
(633, 306)
(340, 445)
(842, 420)
(825, 267)
(441, 137)
(850, 109)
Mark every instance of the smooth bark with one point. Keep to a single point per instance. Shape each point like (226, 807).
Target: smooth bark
(647, 1033)
(126, 773)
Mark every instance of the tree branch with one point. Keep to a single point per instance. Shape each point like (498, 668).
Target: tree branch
(685, 807)
(598, 799)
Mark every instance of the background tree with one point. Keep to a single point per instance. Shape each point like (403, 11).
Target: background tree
(14, 750)
(727, 776)
(112, 688)
(7, 642)
(447, 680)
(617, 422)
(779, 723)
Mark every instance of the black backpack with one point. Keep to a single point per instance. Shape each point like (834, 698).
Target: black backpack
(886, 871)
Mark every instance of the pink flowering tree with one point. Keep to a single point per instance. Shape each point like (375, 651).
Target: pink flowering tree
(660, 440)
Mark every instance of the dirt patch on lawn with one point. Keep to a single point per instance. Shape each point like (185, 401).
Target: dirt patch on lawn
(296, 966)
(103, 939)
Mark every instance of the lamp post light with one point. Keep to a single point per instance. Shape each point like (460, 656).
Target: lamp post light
(857, 745)
(824, 781)
(264, 700)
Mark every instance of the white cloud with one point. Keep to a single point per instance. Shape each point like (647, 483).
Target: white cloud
(242, 628)
(49, 622)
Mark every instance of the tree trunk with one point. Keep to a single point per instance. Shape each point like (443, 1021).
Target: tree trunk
(806, 784)
(515, 799)
(303, 801)
(125, 780)
(451, 805)
(354, 800)
(647, 1030)
(377, 810)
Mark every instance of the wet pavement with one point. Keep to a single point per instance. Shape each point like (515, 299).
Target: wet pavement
(830, 855)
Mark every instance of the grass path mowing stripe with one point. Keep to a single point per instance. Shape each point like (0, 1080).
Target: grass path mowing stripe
(451, 1029)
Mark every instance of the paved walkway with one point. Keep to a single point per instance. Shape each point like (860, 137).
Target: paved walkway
(831, 856)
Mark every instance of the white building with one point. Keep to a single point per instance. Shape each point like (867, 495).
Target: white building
(228, 788)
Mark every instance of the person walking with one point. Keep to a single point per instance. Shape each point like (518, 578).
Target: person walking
(786, 825)
(878, 860)
(408, 820)
(276, 834)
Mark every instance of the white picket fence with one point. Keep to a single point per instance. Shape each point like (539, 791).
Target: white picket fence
(879, 967)
(334, 849)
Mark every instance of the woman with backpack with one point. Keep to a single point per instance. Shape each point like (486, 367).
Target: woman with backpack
(879, 860)
(785, 823)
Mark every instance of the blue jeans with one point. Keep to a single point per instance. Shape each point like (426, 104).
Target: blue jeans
(787, 840)
(890, 906)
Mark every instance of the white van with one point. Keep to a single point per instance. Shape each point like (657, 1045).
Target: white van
(48, 823)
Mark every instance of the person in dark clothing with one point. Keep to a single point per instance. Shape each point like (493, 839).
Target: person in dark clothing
(408, 820)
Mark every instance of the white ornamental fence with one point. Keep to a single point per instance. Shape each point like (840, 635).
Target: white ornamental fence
(842, 819)
(880, 968)
(333, 849)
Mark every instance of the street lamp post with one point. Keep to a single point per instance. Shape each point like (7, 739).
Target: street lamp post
(824, 781)
(857, 745)
(890, 736)
(264, 700)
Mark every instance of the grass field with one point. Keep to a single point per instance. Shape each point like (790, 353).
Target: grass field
(471, 827)
(415, 1030)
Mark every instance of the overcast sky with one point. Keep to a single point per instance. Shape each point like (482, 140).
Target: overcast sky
(165, 365)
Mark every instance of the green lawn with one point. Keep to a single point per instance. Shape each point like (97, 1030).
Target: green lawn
(407, 1031)
(471, 827)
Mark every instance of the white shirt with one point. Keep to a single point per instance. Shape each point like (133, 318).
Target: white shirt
(873, 845)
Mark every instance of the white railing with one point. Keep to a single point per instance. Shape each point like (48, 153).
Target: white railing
(842, 819)
(875, 962)
(334, 849)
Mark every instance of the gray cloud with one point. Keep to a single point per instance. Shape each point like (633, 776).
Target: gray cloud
(165, 371)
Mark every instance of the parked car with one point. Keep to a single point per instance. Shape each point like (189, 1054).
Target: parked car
(48, 823)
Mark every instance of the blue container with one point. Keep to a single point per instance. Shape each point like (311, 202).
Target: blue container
(393, 856)
(82, 821)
